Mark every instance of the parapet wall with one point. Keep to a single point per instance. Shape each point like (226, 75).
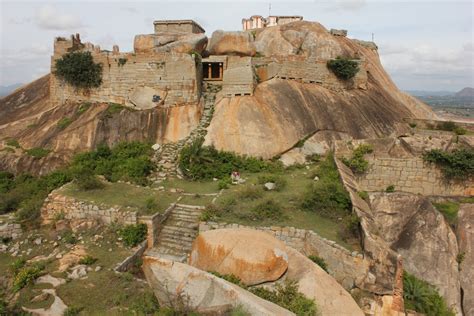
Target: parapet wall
(308, 70)
(411, 175)
(133, 80)
(348, 268)
(57, 204)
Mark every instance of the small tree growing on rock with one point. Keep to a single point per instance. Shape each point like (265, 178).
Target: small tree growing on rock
(343, 67)
(79, 70)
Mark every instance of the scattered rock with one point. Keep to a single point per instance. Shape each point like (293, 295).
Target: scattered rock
(98, 268)
(37, 241)
(78, 272)
(40, 298)
(270, 186)
(56, 309)
(55, 282)
(72, 257)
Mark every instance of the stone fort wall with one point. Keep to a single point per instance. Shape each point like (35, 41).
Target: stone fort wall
(411, 175)
(133, 79)
(350, 269)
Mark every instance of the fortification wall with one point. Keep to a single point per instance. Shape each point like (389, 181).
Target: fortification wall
(134, 79)
(10, 230)
(73, 209)
(348, 268)
(238, 77)
(411, 175)
(309, 71)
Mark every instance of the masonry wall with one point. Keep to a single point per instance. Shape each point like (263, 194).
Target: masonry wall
(10, 230)
(176, 78)
(410, 175)
(73, 209)
(348, 268)
(238, 77)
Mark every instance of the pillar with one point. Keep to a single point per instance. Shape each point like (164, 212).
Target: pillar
(220, 71)
(209, 71)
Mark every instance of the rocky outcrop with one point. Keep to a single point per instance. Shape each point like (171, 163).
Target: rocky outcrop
(170, 43)
(316, 284)
(231, 43)
(177, 284)
(413, 228)
(35, 121)
(227, 251)
(465, 234)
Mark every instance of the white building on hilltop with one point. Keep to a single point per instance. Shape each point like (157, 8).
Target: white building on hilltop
(258, 21)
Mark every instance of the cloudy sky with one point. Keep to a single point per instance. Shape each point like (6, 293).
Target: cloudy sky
(424, 44)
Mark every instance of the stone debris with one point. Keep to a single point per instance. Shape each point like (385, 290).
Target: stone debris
(78, 272)
(270, 186)
(55, 282)
(56, 309)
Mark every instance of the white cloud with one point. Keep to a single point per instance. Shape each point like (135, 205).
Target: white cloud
(49, 18)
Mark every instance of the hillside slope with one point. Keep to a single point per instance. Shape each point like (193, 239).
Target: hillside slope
(281, 112)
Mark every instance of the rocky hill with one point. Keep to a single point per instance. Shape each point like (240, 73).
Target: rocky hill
(267, 123)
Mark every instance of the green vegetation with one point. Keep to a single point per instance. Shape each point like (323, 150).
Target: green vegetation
(449, 210)
(451, 127)
(87, 181)
(230, 278)
(132, 235)
(13, 143)
(267, 209)
(203, 163)
(357, 162)
(112, 109)
(88, 260)
(319, 261)
(412, 125)
(327, 196)
(126, 161)
(38, 152)
(64, 122)
(287, 296)
(79, 70)
(142, 199)
(83, 107)
(280, 181)
(422, 297)
(390, 189)
(122, 61)
(68, 237)
(455, 165)
(26, 275)
(343, 67)
(363, 195)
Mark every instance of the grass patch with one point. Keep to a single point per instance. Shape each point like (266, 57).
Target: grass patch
(38, 152)
(125, 195)
(64, 122)
(132, 235)
(198, 187)
(13, 143)
(449, 210)
(357, 162)
(319, 261)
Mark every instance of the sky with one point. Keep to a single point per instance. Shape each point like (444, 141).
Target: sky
(423, 44)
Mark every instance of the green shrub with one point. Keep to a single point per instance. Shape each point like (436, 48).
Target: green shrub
(224, 183)
(6, 181)
(343, 68)
(17, 265)
(79, 70)
(327, 196)
(87, 260)
(250, 192)
(25, 276)
(126, 161)
(122, 61)
(132, 235)
(363, 195)
(146, 304)
(68, 237)
(449, 211)
(267, 209)
(13, 143)
(446, 126)
(38, 152)
(83, 107)
(280, 182)
(88, 181)
(390, 189)
(229, 278)
(239, 311)
(319, 261)
(357, 162)
(64, 122)
(151, 205)
(72, 311)
(211, 212)
(350, 228)
(423, 297)
(287, 296)
(29, 210)
(455, 165)
(201, 162)
(412, 125)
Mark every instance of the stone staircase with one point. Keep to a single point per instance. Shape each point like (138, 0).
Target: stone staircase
(178, 233)
(167, 156)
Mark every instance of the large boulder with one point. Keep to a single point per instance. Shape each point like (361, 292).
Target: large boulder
(415, 229)
(465, 233)
(316, 284)
(232, 43)
(253, 256)
(170, 42)
(176, 283)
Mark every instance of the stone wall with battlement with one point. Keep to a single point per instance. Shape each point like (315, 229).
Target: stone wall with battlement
(350, 269)
(133, 80)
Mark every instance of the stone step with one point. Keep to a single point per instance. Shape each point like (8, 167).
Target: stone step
(187, 212)
(176, 244)
(171, 229)
(177, 237)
